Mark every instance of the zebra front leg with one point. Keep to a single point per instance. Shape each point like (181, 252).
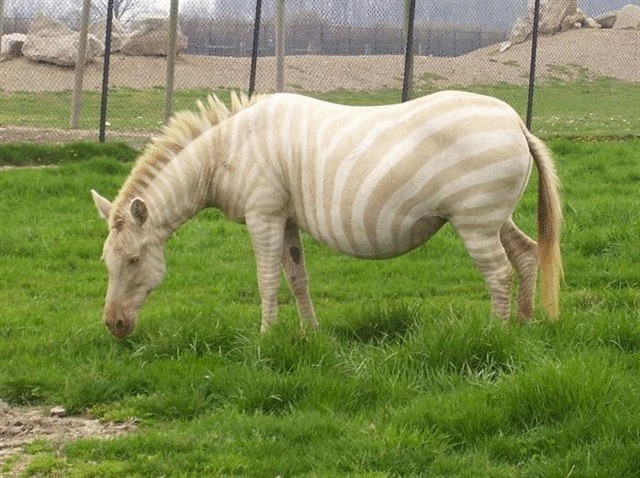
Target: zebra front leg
(490, 258)
(267, 236)
(296, 274)
(522, 251)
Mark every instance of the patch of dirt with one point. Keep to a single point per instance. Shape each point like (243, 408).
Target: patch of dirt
(21, 426)
(33, 134)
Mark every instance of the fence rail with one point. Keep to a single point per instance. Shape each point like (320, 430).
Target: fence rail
(233, 38)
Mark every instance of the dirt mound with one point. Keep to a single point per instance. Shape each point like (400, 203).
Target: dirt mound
(593, 53)
(583, 52)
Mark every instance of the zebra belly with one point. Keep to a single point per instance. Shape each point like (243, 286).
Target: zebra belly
(401, 239)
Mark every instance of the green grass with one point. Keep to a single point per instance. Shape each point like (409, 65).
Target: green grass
(583, 108)
(34, 154)
(408, 375)
(127, 109)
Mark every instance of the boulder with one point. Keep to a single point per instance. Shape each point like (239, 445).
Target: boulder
(573, 21)
(607, 20)
(521, 30)
(12, 44)
(118, 32)
(591, 23)
(628, 18)
(51, 41)
(148, 37)
(519, 33)
(552, 13)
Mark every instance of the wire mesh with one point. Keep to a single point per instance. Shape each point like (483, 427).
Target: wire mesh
(328, 47)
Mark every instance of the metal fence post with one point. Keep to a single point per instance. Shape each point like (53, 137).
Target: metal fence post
(76, 102)
(532, 67)
(1, 19)
(171, 60)
(254, 48)
(410, 5)
(280, 25)
(105, 72)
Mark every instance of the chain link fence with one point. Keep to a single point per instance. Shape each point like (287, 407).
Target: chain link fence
(326, 49)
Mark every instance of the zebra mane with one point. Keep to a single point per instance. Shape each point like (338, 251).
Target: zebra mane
(187, 125)
(183, 127)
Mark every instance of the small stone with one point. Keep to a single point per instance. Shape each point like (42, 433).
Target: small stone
(58, 412)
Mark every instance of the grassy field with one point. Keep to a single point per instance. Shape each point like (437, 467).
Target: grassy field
(578, 108)
(408, 375)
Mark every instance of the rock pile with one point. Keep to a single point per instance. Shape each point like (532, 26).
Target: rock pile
(560, 15)
(50, 41)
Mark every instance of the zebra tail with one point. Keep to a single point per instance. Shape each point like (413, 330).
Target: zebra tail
(549, 224)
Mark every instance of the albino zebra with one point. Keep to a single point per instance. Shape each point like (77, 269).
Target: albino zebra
(371, 182)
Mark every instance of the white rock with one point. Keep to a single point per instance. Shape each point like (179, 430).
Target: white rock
(148, 37)
(591, 23)
(573, 21)
(628, 18)
(12, 44)
(607, 20)
(521, 31)
(505, 45)
(552, 13)
(58, 411)
(51, 41)
(118, 32)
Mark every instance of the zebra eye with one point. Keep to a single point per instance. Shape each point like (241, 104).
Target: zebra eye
(134, 260)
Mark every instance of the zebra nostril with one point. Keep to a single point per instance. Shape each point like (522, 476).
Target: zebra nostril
(120, 327)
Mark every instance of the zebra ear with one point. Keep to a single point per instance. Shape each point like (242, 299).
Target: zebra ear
(102, 204)
(139, 211)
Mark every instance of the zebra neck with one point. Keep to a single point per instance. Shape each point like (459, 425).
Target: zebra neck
(177, 193)
(231, 171)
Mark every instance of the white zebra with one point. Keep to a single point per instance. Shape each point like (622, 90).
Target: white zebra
(371, 182)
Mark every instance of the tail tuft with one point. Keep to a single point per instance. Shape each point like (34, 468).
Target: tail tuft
(549, 225)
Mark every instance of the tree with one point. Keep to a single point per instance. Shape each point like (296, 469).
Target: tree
(123, 10)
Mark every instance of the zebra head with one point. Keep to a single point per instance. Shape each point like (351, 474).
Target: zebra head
(134, 260)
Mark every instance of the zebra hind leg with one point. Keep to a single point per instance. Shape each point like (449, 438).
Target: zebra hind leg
(295, 271)
(522, 251)
(489, 256)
